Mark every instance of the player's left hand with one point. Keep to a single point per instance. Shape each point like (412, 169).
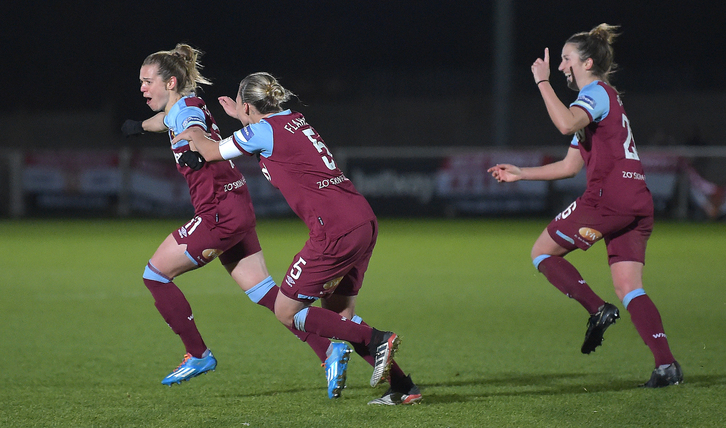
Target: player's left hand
(192, 159)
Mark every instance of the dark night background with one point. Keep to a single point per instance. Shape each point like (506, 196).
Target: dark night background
(85, 55)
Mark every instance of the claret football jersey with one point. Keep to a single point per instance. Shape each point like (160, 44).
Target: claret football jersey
(615, 176)
(210, 184)
(295, 159)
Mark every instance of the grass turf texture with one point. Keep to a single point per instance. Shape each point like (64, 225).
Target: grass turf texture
(487, 339)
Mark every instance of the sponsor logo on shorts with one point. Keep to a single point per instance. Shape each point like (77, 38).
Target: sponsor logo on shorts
(289, 281)
(332, 283)
(211, 253)
(590, 235)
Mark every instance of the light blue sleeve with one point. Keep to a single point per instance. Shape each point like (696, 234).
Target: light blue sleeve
(256, 138)
(189, 116)
(594, 100)
(181, 118)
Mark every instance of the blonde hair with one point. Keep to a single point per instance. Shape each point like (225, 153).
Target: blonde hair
(264, 92)
(181, 62)
(597, 44)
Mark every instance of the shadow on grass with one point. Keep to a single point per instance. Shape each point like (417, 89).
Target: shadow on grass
(521, 385)
(515, 385)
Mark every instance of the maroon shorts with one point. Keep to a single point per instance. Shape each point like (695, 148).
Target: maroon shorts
(581, 225)
(337, 266)
(229, 233)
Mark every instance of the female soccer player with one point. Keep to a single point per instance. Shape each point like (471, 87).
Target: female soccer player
(616, 205)
(343, 228)
(224, 223)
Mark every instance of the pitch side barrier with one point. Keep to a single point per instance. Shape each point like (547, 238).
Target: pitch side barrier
(686, 182)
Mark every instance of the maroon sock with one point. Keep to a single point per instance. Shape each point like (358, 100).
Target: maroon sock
(268, 300)
(647, 321)
(174, 307)
(327, 323)
(318, 344)
(560, 273)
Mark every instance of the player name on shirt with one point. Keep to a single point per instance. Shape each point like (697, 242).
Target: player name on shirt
(295, 124)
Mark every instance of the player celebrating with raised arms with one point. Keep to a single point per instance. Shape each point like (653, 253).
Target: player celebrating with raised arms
(343, 228)
(224, 222)
(616, 206)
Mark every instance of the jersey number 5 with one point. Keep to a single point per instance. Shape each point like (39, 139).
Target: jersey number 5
(321, 147)
(629, 145)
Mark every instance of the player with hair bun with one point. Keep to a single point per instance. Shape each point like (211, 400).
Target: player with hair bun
(343, 228)
(616, 206)
(224, 223)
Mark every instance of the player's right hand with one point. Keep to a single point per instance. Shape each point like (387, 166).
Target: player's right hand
(132, 127)
(229, 105)
(505, 172)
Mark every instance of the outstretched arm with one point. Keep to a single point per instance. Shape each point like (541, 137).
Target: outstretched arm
(155, 123)
(200, 141)
(152, 124)
(565, 168)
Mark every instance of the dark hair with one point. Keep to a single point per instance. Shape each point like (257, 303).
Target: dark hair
(597, 44)
(264, 92)
(181, 62)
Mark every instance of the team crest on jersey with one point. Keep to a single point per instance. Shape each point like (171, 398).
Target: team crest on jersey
(589, 234)
(211, 253)
(588, 101)
(332, 283)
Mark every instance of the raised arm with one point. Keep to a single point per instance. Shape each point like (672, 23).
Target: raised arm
(568, 120)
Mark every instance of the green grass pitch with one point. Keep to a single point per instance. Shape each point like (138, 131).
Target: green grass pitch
(487, 339)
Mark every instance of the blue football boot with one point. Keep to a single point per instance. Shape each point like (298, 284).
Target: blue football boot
(336, 368)
(191, 367)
